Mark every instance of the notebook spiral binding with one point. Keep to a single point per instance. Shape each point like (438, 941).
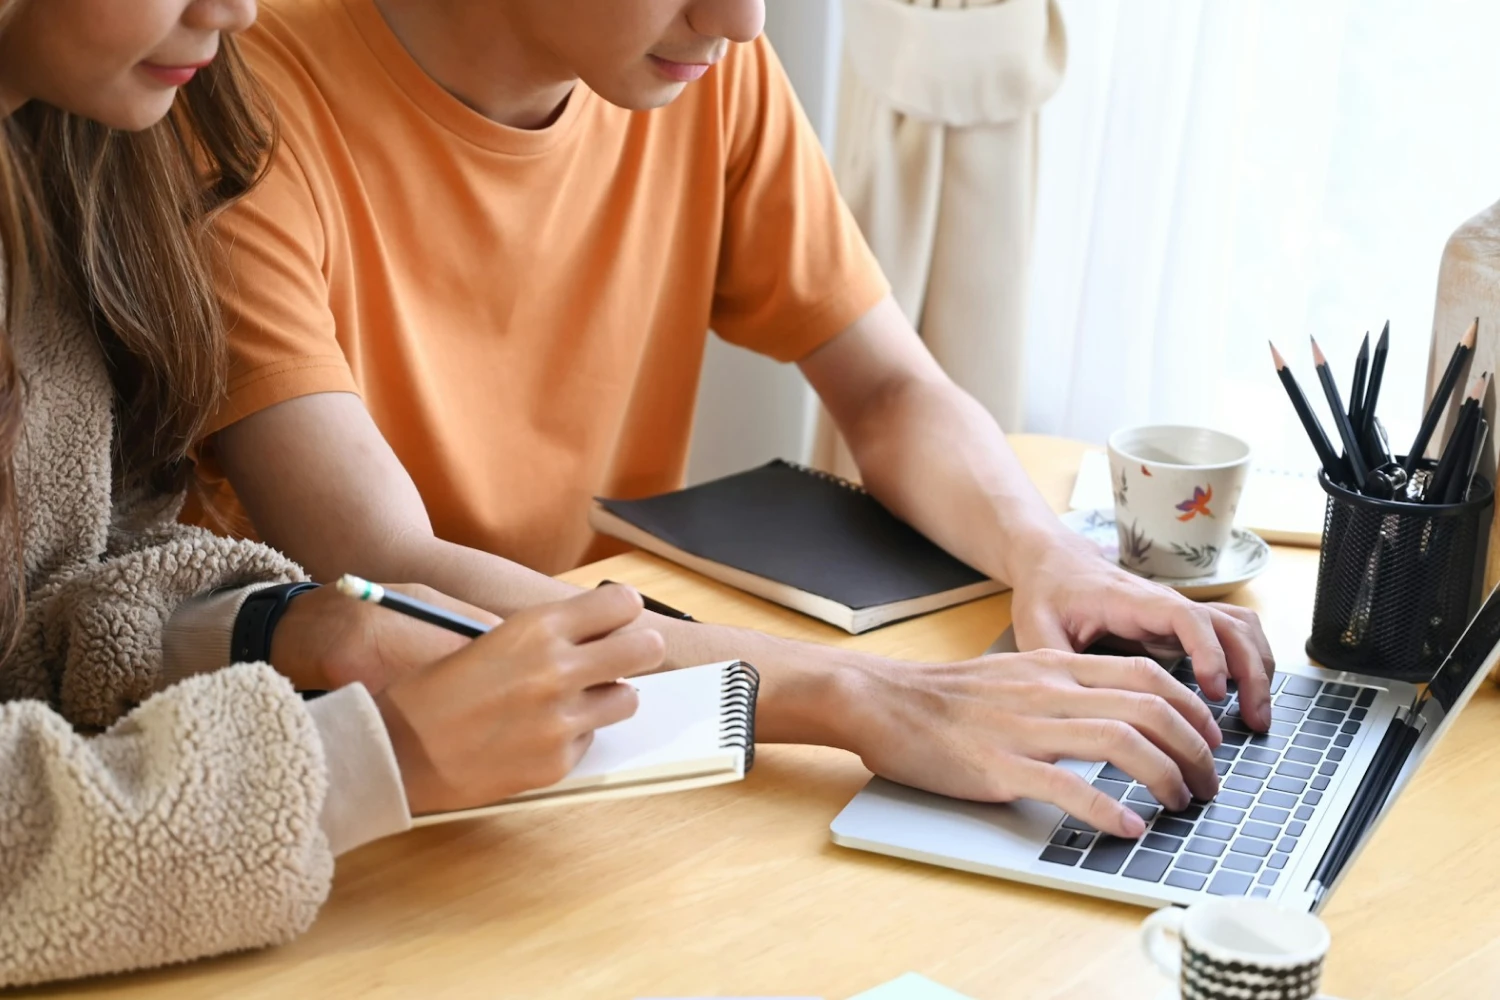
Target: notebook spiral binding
(737, 699)
(827, 477)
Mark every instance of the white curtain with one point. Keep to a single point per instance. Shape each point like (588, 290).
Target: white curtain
(1214, 175)
(936, 155)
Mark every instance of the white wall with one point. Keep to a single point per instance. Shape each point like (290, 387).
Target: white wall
(751, 409)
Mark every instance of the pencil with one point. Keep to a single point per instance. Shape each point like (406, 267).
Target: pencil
(364, 590)
(1473, 470)
(1372, 394)
(1357, 391)
(1440, 398)
(1327, 457)
(1352, 451)
(1437, 487)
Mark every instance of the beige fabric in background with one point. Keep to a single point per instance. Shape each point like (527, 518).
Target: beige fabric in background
(936, 155)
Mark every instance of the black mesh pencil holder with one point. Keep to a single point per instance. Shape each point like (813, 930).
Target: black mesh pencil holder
(1396, 581)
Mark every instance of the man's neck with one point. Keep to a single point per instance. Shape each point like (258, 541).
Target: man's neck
(475, 51)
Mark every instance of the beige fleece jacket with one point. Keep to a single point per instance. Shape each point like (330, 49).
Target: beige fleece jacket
(205, 816)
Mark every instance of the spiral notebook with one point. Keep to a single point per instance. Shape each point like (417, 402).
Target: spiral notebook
(802, 538)
(695, 727)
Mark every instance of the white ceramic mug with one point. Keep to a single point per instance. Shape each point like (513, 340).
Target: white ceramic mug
(1238, 949)
(1177, 490)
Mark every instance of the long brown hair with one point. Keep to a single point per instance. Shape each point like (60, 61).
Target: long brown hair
(118, 222)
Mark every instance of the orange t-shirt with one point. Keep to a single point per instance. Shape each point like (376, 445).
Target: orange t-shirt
(523, 312)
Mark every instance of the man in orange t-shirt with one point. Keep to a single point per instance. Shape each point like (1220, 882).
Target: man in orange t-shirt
(474, 291)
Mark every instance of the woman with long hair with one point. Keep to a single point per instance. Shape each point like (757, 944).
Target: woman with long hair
(159, 804)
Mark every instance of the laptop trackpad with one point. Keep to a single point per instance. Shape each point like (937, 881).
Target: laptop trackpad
(924, 826)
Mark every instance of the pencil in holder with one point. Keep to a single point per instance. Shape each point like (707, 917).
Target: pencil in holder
(1397, 581)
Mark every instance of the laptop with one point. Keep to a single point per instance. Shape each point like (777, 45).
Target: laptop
(1295, 806)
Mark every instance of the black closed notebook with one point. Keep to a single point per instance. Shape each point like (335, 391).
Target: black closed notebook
(801, 538)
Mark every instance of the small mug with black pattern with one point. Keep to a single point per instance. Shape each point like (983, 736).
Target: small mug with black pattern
(1238, 949)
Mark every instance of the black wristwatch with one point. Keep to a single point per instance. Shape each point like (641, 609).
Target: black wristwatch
(250, 642)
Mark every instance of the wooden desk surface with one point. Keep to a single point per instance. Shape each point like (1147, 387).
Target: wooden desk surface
(737, 891)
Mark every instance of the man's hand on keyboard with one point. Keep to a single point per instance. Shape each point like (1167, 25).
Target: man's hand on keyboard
(992, 729)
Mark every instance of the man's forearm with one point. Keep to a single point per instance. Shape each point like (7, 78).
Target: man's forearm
(936, 458)
(809, 693)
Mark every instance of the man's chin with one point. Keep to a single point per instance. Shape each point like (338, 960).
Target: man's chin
(643, 96)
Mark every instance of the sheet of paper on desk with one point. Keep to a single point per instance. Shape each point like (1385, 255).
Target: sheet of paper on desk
(910, 987)
(1282, 506)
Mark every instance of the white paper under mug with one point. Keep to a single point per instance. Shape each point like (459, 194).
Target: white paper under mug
(1238, 949)
(1177, 491)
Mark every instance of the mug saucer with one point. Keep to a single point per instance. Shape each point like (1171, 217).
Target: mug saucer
(1172, 993)
(1245, 558)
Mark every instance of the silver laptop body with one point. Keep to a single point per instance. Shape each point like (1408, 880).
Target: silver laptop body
(1275, 831)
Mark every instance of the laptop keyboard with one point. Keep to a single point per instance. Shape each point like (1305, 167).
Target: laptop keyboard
(1271, 786)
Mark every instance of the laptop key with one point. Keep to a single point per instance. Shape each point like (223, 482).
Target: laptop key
(1265, 831)
(1204, 846)
(1343, 740)
(1157, 842)
(1224, 814)
(1148, 866)
(1240, 783)
(1235, 800)
(1108, 855)
(1249, 845)
(1287, 845)
(1269, 877)
(1320, 782)
(1337, 704)
(1366, 697)
(1226, 752)
(1293, 702)
(1337, 753)
(1325, 715)
(1276, 681)
(1341, 690)
(1266, 814)
(1292, 769)
(1328, 767)
(1141, 794)
(1115, 774)
(1185, 880)
(1260, 892)
(1240, 863)
(1319, 728)
(1280, 800)
(1261, 755)
(1229, 884)
(1290, 785)
(1252, 769)
(1295, 828)
(1286, 714)
(1061, 855)
(1218, 831)
(1191, 812)
(1114, 789)
(1074, 823)
(1303, 687)
(1304, 813)
(1145, 812)
(1268, 741)
(1313, 798)
(1302, 755)
(1172, 827)
(1282, 728)
(1195, 863)
(1221, 767)
(1310, 741)
(1233, 737)
(1358, 714)
(1276, 861)
(1349, 728)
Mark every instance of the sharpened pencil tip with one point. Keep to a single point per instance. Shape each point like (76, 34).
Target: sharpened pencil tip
(1276, 357)
(1318, 357)
(1385, 336)
(1471, 334)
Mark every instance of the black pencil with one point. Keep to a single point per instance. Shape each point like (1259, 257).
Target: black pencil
(1352, 451)
(1372, 393)
(1357, 391)
(364, 590)
(1327, 457)
(1437, 487)
(1440, 398)
(1474, 457)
